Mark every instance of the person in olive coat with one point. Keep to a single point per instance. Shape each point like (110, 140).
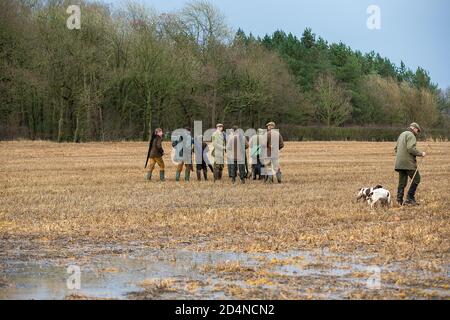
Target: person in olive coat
(406, 164)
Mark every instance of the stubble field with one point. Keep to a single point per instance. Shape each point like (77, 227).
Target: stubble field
(304, 238)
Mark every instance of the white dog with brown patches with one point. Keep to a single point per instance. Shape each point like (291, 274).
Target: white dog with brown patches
(375, 195)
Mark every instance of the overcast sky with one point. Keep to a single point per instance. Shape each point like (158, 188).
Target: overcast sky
(415, 31)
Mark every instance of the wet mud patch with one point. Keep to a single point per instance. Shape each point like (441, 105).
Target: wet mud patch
(142, 273)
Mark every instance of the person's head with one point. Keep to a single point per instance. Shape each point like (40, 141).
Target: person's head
(270, 125)
(219, 127)
(415, 128)
(235, 129)
(159, 132)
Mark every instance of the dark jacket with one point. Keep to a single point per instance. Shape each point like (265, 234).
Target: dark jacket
(156, 150)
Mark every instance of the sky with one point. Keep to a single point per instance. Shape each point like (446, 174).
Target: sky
(416, 32)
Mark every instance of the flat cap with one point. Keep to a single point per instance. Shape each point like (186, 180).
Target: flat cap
(271, 123)
(219, 125)
(415, 125)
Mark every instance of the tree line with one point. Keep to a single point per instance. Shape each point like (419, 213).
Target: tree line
(130, 69)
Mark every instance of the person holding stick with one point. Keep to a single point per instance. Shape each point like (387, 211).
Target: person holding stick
(406, 164)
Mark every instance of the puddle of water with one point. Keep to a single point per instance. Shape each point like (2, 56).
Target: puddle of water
(116, 275)
(105, 276)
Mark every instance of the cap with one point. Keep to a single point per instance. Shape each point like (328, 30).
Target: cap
(415, 125)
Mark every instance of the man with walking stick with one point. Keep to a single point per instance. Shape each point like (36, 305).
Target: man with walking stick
(406, 164)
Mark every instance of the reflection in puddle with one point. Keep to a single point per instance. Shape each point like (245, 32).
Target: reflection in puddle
(117, 275)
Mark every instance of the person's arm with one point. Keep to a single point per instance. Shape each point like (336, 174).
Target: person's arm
(280, 142)
(411, 146)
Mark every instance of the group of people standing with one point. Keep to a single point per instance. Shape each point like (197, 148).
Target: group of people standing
(231, 148)
(261, 150)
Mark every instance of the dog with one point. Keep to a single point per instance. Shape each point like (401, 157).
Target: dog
(364, 193)
(381, 196)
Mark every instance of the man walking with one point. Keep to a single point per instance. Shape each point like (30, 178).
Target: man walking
(406, 164)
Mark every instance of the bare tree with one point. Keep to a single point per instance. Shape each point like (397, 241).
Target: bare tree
(332, 102)
(205, 23)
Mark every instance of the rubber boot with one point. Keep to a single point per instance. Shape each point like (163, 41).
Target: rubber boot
(148, 176)
(254, 172)
(400, 193)
(161, 176)
(177, 176)
(279, 176)
(187, 175)
(410, 199)
(233, 180)
(199, 175)
(205, 174)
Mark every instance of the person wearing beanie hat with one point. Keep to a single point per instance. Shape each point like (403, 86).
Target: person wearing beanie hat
(406, 163)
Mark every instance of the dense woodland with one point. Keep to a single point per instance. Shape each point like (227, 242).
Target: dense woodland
(130, 69)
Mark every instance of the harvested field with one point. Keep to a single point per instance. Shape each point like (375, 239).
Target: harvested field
(73, 203)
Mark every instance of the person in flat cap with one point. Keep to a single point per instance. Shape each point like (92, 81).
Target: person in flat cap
(406, 164)
(272, 144)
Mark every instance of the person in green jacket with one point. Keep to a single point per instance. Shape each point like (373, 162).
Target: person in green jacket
(406, 164)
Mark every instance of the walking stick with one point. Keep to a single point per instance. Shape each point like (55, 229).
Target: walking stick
(417, 169)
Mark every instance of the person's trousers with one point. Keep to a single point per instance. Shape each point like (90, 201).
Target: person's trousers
(188, 167)
(233, 169)
(403, 181)
(153, 161)
(218, 169)
(271, 166)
